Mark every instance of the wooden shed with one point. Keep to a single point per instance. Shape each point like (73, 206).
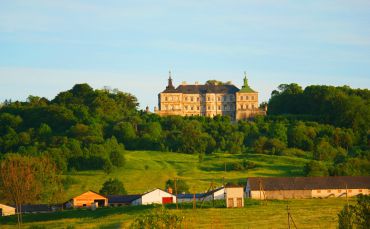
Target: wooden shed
(6, 210)
(89, 199)
(234, 196)
(306, 187)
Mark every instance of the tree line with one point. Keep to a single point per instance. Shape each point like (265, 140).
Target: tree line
(87, 129)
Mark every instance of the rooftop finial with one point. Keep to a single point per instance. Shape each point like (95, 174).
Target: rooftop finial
(169, 74)
(170, 85)
(245, 79)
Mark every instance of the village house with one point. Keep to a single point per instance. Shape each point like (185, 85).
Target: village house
(156, 196)
(306, 187)
(234, 196)
(88, 199)
(6, 210)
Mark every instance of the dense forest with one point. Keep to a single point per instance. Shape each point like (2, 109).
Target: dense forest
(87, 129)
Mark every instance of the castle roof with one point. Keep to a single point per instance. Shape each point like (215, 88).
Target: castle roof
(207, 88)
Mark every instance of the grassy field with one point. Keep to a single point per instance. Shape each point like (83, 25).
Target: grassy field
(146, 170)
(310, 213)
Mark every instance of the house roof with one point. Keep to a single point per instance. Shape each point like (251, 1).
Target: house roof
(36, 208)
(154, 190)
(308, 183)
(122, 199)
(89, 191)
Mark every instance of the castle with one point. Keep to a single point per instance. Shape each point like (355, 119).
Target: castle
(210, 99)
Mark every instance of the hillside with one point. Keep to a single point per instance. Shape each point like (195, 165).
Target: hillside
(145, 170)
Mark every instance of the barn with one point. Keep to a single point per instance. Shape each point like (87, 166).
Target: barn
(6, 210)
(156, 196)
(89, 199)
(306, 187)
(121, 200)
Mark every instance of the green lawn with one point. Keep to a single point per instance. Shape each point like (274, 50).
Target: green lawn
(146, 170)
(310, 213)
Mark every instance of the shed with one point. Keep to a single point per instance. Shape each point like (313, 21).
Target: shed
(306, 187)
(234, 196)
(121, 200)
(156, 196)
(88, 199)
(6, 210)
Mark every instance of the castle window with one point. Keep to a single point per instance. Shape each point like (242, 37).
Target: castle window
(186, 107)
(318, 191)
(219, 107)
(252, 106)
(197, 99)
(252, 97)
(198, 108)
(165, 98)
(339, 191)
(192, 108)
(209, 108)
(208, 99)
(360, 190)
(350, 191)
(329, 191)
(191, 99)
(241, 98)
(218, 98)
(186, 98)
(246, 97)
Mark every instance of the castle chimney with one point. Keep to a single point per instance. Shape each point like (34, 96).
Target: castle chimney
(169, 190)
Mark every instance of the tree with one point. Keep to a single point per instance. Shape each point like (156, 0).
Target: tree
(113, 187)
(355, 216)
(181, 186)
(315, 169)
(27, 179)
(117, 158)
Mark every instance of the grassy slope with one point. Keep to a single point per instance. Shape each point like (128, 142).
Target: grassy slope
(310, 213)
(162, 166)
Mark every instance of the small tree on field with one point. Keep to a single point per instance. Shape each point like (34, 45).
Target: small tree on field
(26, 179)
(181, 186)
(113, 187)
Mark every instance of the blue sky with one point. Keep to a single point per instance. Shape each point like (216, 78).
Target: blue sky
(48, 46)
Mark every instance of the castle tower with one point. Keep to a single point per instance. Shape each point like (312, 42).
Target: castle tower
(246, 101)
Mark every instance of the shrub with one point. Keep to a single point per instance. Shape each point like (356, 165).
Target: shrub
(159, 218)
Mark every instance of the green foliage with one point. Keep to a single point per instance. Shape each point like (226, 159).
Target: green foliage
(158, 218)
(315, 169)
(355, 216)
(180, 187)
(113, 187)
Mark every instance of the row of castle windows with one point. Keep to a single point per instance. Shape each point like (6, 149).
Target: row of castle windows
(176, 107)
(225, 107)
(197, 98)
(246, 97)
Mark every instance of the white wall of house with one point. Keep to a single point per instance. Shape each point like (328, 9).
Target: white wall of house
(324, 193)
(153, 197)
(6, 210)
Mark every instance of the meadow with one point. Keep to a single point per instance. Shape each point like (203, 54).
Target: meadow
(309, 213)
(146, 170)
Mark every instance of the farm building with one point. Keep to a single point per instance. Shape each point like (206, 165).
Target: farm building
(234, 196)
(6, 210)
(306, 187)
(216, 194)
(156, 196)
(121, 200)
(89, 199)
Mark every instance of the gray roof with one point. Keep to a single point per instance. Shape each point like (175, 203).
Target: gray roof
(308, 183)
(122, 199)
(203, 89)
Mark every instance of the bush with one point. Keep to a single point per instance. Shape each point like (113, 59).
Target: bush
(159, 218)
(355, 216)
(295, 152)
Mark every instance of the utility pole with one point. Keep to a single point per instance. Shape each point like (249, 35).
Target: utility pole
(177, 206)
